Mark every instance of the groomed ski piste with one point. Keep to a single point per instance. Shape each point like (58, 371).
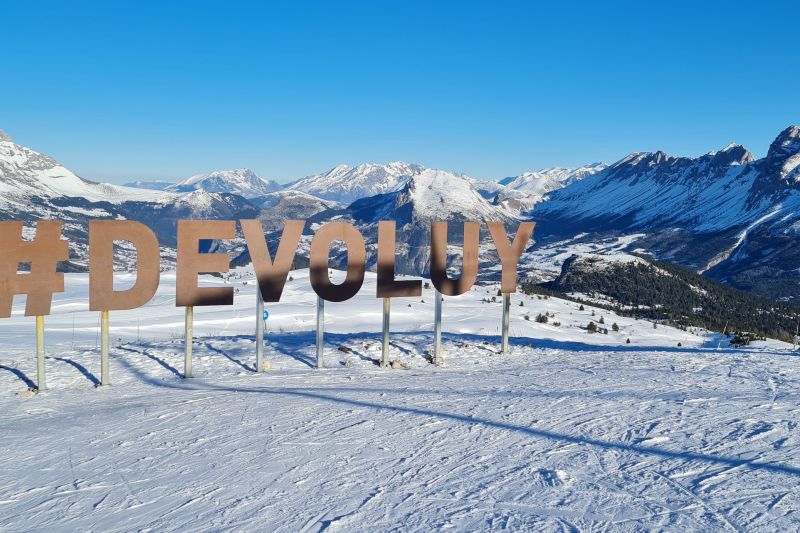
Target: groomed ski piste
(570, 431)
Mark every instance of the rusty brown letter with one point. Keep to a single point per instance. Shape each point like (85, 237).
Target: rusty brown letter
(271, 275)
(388, 287)
(102, 234)
(469, 266)
(43, 254)
(510, 253)
(191, 262)
(356, 257)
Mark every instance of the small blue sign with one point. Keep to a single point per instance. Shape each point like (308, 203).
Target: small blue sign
(266, 314)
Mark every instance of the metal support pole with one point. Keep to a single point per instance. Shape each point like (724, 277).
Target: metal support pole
(385, 346)
(259, 331)
(320, 330)
(104, 373)
(188, 339)
(41, 384)
(506, 313)
(437, 329)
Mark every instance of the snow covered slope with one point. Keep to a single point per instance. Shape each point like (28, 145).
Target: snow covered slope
(431, 195)
(345, 184)
(646, 190)
(280, 206)
(25, 173)
(34, 186)
(241, 181)
(724, 212)
(572, 431)
(543, 181)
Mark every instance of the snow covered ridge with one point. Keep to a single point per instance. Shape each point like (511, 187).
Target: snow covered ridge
(242, 181)
(346, 184)
(25, 173)
(725, 213)
(544, 181)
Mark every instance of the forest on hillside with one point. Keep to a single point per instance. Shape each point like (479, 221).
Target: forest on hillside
(664, 292)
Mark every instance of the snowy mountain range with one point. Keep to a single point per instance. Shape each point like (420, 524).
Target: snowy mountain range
(726, 214)
(34, 186)
(241, 181)
(346, 184)
(544, 181)
(733, 217)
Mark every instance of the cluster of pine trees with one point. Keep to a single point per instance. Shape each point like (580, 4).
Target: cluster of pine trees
(663, 292)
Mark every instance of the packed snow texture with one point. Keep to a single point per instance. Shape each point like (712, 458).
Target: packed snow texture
(571, 431)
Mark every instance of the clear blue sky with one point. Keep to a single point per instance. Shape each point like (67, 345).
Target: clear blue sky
(119, 91)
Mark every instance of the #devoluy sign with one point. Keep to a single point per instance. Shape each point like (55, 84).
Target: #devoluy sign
(44, 252)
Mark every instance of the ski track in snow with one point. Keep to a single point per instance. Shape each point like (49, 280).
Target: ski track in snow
(569, 432)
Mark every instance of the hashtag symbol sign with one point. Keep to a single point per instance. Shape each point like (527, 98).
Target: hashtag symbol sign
(43, 254)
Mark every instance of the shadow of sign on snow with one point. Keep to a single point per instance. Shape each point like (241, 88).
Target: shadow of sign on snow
(21, 375)
(79, 367)
(533, 432)
(149, 355)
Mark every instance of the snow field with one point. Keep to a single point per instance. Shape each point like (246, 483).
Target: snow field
(571, 431)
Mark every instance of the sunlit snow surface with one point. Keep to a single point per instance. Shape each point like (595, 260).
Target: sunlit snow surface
(569, 431)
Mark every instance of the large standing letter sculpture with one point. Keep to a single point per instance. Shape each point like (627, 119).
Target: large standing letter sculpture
(42, 254)
(469, 266)
(271, 274)
(510, 253)
(388, 287)
(356, 257)
(102, 234)
(191, 262)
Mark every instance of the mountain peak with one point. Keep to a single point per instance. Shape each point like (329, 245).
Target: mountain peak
(431, 195)
(641, 161)
(346, 184)
(241, 181)
(786, 144)
(732, 154)
(783, 156)
(5, 137)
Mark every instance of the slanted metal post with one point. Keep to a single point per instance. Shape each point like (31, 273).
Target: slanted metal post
(104, 372)
(437, 329)
(259, 331)
(385, 345)
(41, 384)
(320, 331)
(189, 338)
(506, 313)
